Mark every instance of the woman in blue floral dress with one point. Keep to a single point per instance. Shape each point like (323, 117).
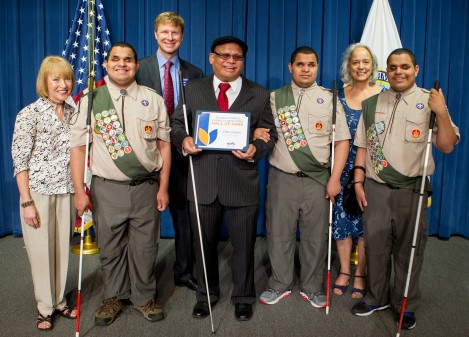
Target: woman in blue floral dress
(359, 72)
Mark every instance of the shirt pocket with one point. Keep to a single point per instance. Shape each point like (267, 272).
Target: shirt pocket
(416, 128)
(148, 127)
(318, 123)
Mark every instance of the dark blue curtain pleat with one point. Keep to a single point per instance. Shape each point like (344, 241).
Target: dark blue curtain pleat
(436, 30)
(256, 23)
(330, 43)
(10, 103)
(452, 180)
(357, 15)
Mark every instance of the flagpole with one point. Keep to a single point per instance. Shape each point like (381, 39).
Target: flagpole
(90, 80)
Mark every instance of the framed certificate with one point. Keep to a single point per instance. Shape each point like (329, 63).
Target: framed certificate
(226, 131)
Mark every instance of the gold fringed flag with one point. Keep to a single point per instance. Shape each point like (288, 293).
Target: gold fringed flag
(381, 35)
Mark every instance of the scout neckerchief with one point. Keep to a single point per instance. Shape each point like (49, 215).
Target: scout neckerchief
(381, 166)
(107, 124)
(295, 139)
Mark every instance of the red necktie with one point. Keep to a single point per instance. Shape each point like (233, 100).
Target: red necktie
(168, 89)
(222, 98)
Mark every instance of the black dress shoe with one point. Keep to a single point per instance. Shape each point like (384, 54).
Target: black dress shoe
(191, 284)
(243, 311)
(201, 309)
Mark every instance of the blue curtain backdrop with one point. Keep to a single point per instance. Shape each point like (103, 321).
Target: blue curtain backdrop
(436, 30)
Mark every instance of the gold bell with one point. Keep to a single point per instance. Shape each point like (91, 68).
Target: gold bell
(354, 256)
(89, 245)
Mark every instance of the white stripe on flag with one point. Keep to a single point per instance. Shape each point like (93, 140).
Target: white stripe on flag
(380, 34)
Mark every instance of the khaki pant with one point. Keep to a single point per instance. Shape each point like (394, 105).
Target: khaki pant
(48, 249)
(388, 224)
(296, 202)
(127, 227)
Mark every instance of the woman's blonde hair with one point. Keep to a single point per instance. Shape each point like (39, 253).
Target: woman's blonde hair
(53, 65)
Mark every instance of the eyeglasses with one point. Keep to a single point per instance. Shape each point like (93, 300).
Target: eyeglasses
(226, 57)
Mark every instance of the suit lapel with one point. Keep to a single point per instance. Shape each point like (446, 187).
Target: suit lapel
(184, 72)
(184, 69)
(206, 90)
(244, 95)
(156, 75)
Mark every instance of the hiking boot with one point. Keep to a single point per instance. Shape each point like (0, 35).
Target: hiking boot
(108, 312)
(151, 311)
(271, 296)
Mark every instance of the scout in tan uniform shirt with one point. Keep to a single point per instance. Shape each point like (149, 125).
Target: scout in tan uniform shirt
(299, 180)
(391, 139)
(130, 162)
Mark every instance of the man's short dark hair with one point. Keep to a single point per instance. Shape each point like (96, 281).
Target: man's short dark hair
(229, 39)
(122, 45)
(303, 50)
(400, 51)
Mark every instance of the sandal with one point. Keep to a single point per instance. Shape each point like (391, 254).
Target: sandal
(341, 289)
(44, 319)
(357, 292)
(68, 312)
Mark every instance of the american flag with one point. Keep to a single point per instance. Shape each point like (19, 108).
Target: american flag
(87, 45)
(381, 35)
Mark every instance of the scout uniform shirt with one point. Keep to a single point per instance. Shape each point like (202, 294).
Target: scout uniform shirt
(315, 116)
(404, 136)
(146, 121)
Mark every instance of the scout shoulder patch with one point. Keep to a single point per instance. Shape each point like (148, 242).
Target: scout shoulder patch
(325, 89)
(147, 88)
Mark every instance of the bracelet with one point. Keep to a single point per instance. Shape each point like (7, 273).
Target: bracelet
(359, 167)
(28, 203)
(358, 182)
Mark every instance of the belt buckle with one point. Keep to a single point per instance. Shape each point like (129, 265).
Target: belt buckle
(139, 182)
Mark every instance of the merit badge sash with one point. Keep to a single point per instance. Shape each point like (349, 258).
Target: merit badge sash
(381, 166)
(288, 120)
(107, 124)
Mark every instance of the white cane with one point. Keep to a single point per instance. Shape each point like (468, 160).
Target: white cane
(196, 203)
(417, 218)
(328, 287)
(82, 236)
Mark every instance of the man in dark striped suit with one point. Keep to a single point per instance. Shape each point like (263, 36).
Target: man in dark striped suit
(227, 183)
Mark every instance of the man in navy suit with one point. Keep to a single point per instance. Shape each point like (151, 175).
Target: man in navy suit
(227, 182)
(169, 33)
